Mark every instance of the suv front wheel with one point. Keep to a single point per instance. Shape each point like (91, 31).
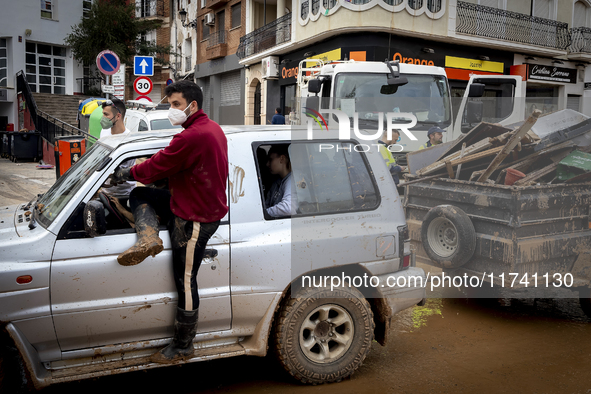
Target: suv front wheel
(323, 336)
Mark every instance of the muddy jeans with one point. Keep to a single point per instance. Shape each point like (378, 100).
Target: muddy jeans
(188, 241)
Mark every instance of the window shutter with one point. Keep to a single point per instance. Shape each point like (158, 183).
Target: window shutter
(230, 94)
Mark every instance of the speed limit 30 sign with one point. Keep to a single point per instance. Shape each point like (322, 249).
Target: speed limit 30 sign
(142, 85)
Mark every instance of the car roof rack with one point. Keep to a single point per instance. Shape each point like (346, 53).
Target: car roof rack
(137, 104)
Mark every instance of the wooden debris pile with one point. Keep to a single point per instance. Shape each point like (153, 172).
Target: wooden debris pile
(489, 151)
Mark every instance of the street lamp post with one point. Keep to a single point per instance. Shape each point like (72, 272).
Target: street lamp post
(183, 16)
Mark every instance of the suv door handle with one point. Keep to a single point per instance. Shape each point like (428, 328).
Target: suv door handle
(210, 253)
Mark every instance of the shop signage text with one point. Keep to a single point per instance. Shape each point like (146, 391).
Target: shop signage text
(410, 60)
(551, 73)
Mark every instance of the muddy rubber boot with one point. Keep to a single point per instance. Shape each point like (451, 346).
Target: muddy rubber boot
(181, 347)
(148, 242)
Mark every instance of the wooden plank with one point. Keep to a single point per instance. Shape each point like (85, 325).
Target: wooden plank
(460, 165)
(580, 178)
(475, 174)
(476, 156)
(536, 174)
(510, 145)
(438, 165)
(450, 169)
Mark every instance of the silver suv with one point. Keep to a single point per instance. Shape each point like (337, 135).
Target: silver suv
(319, 285)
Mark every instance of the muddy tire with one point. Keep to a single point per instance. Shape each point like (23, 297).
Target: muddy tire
(324, 336)
(448, 236)
(585, 300)
(12, 376)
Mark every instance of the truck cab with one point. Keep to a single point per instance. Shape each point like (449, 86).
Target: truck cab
(493, 99)
(366, 93)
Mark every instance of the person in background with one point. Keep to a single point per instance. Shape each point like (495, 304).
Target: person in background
(112, 124)
(278, 118)
(435, 135)
(394, 169)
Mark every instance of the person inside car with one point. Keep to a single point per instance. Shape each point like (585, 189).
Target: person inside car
(280, 199)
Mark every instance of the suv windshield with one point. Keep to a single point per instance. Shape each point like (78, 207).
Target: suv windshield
(58, 196)
(426, 96)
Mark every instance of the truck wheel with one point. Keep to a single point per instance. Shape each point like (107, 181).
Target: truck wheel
(448, 236)
(324, 336)
(585, 300)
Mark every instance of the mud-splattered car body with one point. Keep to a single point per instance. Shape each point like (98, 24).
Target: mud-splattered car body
(73, 312)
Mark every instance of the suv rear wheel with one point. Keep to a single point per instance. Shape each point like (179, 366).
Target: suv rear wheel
(324, 335)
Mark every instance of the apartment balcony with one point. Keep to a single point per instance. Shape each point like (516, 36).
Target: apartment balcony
(497, 24)
(215, 4)
(151, 9)
(266, 37)
(216, 45)
(580, 46)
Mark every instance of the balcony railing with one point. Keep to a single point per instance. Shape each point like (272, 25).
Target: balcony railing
(216, 38)
(581, 40)
(504, 25)
(268, 36)
(149, 8)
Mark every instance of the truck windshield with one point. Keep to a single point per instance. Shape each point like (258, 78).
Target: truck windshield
(58, 196)
(426, 96)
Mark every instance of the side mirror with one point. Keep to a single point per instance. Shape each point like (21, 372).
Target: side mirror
(313, 102)
(474, 112)
(314, 86)
(476, 90)
(94, 218)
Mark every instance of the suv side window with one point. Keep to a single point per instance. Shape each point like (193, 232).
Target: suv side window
(328, 177)
(143, 126)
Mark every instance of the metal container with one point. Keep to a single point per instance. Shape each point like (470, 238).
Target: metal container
(543, 229)
(25, 145)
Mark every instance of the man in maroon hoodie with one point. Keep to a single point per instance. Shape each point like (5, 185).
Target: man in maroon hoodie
(196, 165)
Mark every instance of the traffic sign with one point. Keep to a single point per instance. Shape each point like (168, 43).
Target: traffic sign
(168, 81)
(143, 65)
(144, 98)
(108, 89)
(142, 85)
(108, 62)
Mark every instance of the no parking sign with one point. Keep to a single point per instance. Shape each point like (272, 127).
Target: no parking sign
(108, 62)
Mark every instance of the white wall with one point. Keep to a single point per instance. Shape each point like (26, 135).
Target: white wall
(20, 15)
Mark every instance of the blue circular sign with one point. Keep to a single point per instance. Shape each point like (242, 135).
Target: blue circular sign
(168, 81)
(108, 62)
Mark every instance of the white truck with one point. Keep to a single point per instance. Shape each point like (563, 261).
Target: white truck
(371, 88)
(366, 89)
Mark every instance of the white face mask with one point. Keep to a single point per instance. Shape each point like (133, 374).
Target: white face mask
(178, 117)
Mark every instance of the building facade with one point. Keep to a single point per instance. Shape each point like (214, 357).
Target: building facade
(206, 42)
(521, 37)
(159, 11)
(32, 37)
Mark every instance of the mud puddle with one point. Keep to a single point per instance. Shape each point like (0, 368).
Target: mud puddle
(448, 346)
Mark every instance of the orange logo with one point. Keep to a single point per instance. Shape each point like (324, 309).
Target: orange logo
(75, 145)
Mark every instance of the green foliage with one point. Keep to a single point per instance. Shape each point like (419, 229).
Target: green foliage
(111, 24)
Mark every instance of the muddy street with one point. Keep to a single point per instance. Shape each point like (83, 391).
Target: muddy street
(448, 346)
